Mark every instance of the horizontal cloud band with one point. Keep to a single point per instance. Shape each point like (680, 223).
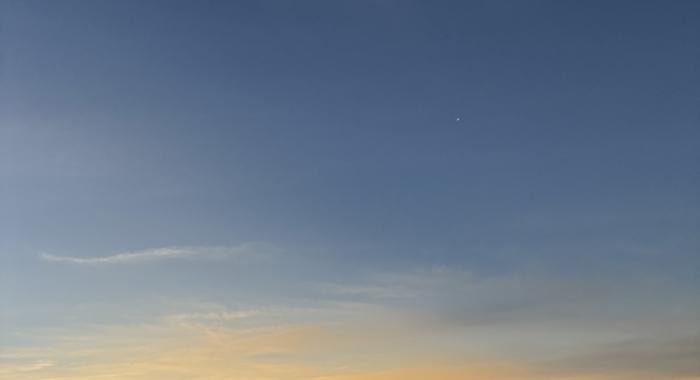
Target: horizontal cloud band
(163, 253)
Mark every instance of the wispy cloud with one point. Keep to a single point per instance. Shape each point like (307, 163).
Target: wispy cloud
(127, 257)
(467, 299)
(220, 316)
(6, 369)
(157, 254)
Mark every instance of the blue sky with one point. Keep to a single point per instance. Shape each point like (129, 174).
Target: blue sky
(528, 168)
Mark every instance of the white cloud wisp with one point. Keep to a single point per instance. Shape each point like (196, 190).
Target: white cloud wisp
(156, 254)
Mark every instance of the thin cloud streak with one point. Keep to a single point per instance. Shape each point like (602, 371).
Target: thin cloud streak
(156, 254)
(225, 316)
(127, 257)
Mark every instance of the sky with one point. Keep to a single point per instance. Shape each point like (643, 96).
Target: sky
(349, 190)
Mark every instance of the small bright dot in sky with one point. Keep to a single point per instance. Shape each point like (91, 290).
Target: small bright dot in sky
(458, 119)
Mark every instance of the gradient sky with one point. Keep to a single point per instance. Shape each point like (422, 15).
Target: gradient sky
(349, 190)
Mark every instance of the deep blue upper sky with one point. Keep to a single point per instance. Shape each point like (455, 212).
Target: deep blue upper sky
(132, 124)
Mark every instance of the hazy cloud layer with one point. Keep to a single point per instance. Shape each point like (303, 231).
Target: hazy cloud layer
(677, 357)
(344, 349)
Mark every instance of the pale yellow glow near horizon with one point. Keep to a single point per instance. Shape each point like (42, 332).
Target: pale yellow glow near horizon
(342, 343)
(290, 352)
